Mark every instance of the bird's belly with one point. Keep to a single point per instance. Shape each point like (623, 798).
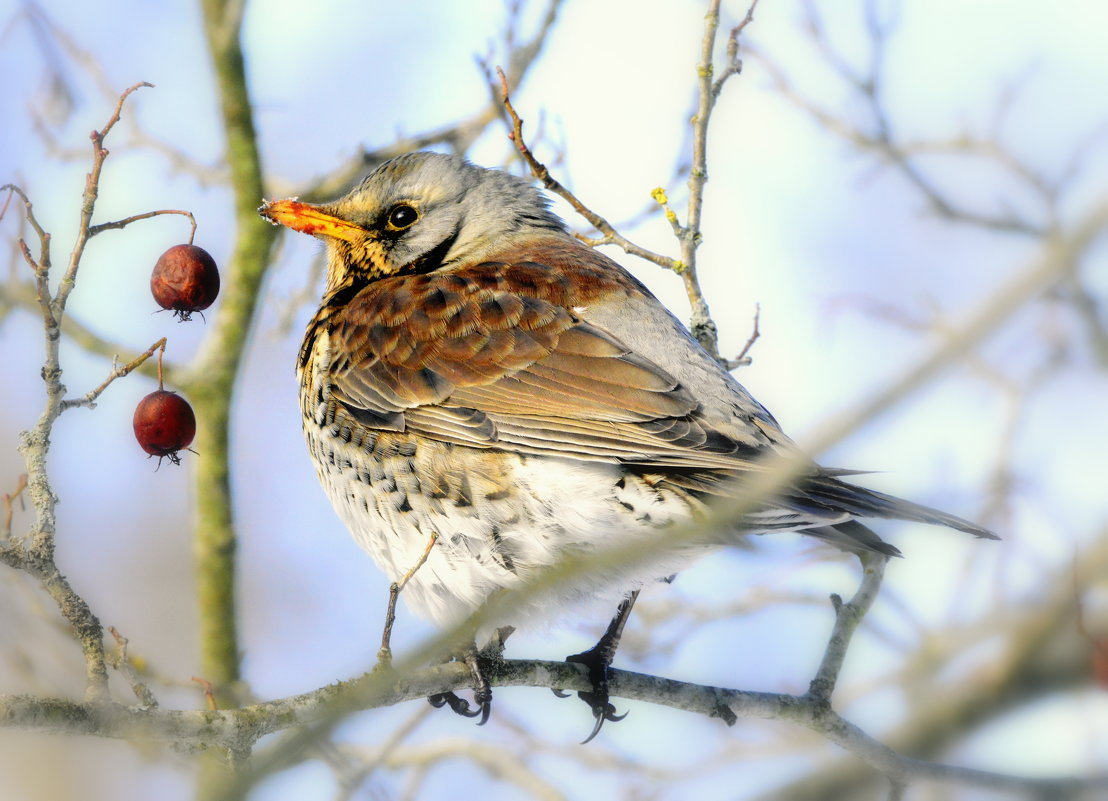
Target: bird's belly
(499, 518)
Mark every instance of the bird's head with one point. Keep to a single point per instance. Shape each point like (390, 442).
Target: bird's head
(418, 213)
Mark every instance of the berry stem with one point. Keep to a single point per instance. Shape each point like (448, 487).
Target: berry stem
(100, 227)
(118, 371)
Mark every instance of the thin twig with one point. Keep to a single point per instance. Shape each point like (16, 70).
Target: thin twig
(40, 266)
(88, 201)
(118, 371)
(23, 294)
(743, 359)
(35, 554)
(734, 64)
(539, 170)
(122, 663)
(8, 497)
(847, 618)
(96, 229)
(385, 654)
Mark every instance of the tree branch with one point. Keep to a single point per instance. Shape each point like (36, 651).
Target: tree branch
(239, 729)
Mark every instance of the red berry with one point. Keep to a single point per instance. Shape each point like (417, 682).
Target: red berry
(164, 424)
(185, 280)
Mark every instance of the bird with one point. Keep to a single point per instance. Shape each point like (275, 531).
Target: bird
(484, 395)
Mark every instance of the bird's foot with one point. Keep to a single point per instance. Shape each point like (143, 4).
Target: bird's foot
(461, 706)
(482, 692)
(596, 661)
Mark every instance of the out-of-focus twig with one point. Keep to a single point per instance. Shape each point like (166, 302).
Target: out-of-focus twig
(847, 618)
(878, 135)
(9, 508)
(121, 661)
(688, 234)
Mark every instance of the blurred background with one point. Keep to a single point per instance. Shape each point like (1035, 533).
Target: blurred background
(877, 172)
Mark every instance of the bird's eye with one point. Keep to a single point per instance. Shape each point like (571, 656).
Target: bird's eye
(402, 216)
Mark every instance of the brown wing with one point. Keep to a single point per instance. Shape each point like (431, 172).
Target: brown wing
(494, 356)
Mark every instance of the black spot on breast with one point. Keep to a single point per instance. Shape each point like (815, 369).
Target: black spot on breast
(498, 550)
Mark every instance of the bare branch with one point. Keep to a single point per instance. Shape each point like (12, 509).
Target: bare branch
(118, 371)
(743, 359)
(847, 618)
(879, 138)
(88, 202)
(239, 729)
(539, 170)
(385, 653)
(121, 661)
(8, 497)
(35, 553)
(96, 229)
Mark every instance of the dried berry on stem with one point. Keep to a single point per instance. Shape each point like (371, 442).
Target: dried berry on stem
(185, 280)
(164, 422)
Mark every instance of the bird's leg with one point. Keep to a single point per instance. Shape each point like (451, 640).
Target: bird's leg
(597, 660)
(476, 660)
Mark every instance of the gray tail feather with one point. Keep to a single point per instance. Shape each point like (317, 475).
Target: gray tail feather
(827, 492)
(853, 536)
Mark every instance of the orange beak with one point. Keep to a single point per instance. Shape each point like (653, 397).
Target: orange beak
(309, 219)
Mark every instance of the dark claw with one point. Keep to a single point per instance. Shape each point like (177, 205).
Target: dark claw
(482, 692)
(597, 698)
(459, 706)
(558, 691)
(602, 710)
(485, 709)
(597, 661)
(595, 730)
(483, 698)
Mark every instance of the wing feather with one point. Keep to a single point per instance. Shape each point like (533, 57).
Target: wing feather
(498, 355)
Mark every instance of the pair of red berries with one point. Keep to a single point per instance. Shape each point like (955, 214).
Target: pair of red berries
(185, 280)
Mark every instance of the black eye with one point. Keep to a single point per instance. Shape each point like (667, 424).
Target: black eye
(402, 216)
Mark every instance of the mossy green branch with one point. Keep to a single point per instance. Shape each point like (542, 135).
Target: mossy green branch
(210, 383)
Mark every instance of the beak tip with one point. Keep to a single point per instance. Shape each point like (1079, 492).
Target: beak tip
(308, 219)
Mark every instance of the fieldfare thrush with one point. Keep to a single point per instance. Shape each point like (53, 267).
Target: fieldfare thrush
(476, 373)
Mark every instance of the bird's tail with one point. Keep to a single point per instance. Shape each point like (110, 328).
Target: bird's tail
(828, 492)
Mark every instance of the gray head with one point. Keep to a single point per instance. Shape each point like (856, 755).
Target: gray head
(420, 212)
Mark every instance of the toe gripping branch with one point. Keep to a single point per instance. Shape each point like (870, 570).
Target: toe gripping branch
(597, 660)
(482, 691)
